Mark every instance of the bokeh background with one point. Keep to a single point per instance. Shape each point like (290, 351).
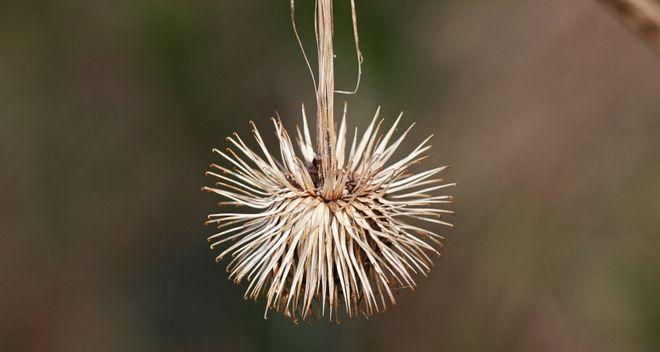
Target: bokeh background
(548, 112)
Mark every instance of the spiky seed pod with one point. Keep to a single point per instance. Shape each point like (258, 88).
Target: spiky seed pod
(315, 241)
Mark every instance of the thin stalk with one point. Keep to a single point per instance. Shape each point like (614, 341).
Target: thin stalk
(326, 137)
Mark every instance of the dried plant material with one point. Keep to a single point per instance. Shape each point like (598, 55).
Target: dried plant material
(327, 231)
(641, 16)
(316, 242)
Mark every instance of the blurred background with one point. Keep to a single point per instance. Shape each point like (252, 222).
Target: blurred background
(548, 112)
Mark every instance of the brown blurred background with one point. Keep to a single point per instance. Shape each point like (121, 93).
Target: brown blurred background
(548, 112)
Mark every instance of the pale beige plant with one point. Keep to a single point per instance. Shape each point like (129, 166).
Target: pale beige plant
(327, 231)
(317, 241)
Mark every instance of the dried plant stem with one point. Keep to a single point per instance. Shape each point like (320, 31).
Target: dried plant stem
(358, 53)
(641, 16)
(326, 136)
(334, 227)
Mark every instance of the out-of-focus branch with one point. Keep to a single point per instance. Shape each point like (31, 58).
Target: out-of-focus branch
(641, 16)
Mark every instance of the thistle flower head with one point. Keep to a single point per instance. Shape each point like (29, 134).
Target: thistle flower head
(325, 239)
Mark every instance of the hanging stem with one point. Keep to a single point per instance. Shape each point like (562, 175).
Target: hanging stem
(326, 137)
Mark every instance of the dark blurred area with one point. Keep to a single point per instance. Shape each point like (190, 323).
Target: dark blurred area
(548, 112)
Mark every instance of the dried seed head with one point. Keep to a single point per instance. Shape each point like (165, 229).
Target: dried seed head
(321, 242)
